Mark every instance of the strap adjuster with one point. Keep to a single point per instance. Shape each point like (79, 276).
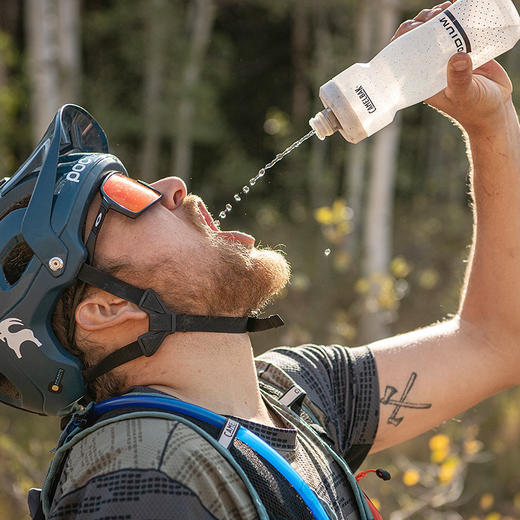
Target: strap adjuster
(151, 341)
(294, 396)
(162, 322)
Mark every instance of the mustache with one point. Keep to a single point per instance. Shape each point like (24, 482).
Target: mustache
(190, 207)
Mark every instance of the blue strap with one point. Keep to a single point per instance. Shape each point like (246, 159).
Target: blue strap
(244, 435)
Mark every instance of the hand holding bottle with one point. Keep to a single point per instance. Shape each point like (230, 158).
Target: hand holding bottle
(476, 99)
(366, 96)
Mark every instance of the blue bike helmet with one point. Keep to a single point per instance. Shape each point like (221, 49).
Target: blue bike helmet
(43, 208)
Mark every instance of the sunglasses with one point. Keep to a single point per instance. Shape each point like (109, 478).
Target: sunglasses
(124, 195)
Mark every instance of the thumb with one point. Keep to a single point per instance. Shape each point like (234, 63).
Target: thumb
(460, 78)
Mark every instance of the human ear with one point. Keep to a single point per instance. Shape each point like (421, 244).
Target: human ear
(102, 310)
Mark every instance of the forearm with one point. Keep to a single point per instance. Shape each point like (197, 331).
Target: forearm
(491, 295)
(443, 369)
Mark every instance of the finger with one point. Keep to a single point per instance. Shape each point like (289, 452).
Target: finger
(442, 6)
(460, 78)
(424, 16)
(405, 27)
(490, 69)
(495, 72)
(427, 14)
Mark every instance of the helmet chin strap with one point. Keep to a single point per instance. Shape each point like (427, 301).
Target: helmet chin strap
(162, 321)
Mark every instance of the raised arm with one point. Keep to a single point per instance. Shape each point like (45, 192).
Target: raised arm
(432, 374)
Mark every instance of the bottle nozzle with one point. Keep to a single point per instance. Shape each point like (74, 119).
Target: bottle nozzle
(324, 123)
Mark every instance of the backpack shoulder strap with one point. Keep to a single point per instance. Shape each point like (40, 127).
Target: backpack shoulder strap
(35, 504)
(173, 405)
(294, 397)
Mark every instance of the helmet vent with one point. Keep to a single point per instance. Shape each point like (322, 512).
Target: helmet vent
(16, 262)
(7, 388)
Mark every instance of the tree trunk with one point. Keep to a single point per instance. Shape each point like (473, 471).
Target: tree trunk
(356, 156)
(8, 25)
(4, 86)
(156, 33)
(69, 50)
(322, 56)
(299, 45)
(319, 183)
(54, 58)
(379, 208)
(42, 55)
(204, 16)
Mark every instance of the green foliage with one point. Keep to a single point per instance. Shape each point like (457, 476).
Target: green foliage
(12, 98)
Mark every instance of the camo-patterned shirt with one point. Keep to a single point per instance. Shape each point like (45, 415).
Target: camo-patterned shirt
(154, 468)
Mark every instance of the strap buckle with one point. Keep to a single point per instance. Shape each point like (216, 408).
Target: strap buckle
(162, 322)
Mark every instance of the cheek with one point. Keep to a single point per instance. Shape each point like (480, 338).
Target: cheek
(146, 242)
(118, 239)
(148, 246)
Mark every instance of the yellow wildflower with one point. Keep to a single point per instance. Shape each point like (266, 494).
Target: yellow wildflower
(411, 477)
(486, 501)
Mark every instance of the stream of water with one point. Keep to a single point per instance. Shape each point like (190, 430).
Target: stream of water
(261, 172)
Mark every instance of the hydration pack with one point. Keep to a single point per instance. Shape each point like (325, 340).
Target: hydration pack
(249, 455)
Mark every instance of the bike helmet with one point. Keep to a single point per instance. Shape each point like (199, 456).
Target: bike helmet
(59, 180)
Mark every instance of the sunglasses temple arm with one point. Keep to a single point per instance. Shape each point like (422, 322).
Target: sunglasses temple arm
(91, 241)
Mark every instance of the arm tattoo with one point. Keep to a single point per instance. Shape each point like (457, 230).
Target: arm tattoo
(390, 391)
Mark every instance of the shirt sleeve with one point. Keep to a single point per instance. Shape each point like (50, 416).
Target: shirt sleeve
(342, 382)
(149, 468)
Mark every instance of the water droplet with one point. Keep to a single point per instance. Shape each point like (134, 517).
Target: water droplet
(326, 252)
(217, 223)
(261, 172)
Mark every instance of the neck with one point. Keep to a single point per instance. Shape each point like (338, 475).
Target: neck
(215, 371)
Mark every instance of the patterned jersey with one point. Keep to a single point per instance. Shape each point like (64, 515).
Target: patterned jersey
(158, 469)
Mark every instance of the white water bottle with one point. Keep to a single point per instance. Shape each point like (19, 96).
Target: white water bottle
(365, 97)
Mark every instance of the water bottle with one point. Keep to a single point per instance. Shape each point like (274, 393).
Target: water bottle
(365, 97)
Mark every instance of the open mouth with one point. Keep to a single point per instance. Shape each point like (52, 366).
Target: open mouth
(243, 238)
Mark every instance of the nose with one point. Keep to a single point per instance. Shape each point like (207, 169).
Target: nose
(173, 190)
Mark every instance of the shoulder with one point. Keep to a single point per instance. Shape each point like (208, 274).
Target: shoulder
(153, 459)
(312, 356)
(319, 370)
(341, 386)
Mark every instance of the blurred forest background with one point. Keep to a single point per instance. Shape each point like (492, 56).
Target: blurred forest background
(211, 90)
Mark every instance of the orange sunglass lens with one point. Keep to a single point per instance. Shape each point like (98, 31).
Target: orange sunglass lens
(128, 193)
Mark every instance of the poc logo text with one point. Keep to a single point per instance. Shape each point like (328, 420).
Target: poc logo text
(75, 172)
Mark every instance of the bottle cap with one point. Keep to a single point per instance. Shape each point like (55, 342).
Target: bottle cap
(324, 123)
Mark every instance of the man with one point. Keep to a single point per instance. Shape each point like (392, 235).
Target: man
(158, 466)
